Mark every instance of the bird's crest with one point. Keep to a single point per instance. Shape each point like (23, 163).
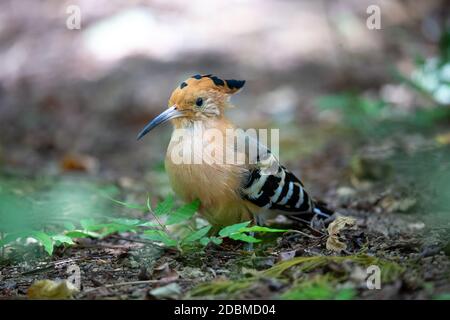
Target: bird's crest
(209, 81)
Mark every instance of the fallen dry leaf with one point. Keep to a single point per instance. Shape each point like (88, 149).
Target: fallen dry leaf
(48, 289)
(333, 242)
(165, 273)
(79, 162)
(391, 204)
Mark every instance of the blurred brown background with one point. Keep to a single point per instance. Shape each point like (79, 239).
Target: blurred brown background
(79, 97)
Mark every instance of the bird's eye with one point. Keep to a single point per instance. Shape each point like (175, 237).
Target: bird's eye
(199, 102)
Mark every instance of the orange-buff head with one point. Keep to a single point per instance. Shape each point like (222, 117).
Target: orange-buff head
(198, 98)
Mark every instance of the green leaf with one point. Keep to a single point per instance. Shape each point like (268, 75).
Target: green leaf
(160, 236)
(197, 235)
(127, 222)
(183, 213)
(163, 207)
(133, 223)
(86, 223)
(216, 240)
(110, 228)
(204, 241)
(244, 237)
(227, 231)
(129, 205)
(148, 224)
(116, 225)
(94, 227)
(44, 239)
(82, 234)
(63, 239)
(262, 229)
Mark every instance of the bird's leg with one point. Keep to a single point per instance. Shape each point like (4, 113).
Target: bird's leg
(249, 246)
(257, 221)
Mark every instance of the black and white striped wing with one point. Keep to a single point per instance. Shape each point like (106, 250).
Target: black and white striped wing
(269, 185)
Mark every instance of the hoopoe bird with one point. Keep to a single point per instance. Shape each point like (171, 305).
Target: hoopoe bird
(229, 192)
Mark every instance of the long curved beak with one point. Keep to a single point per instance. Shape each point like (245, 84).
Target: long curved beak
(170, 113)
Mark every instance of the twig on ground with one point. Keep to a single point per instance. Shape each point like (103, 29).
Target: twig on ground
(155, 216)
(120, 284)
(51, 265)
(302, 233)
(118, 237)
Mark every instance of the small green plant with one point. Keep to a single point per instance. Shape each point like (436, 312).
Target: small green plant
(371, 116)
(165, 215)
(46, 239)
(194, 236)
(46, 209)
(431, 76)
(358, 112)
